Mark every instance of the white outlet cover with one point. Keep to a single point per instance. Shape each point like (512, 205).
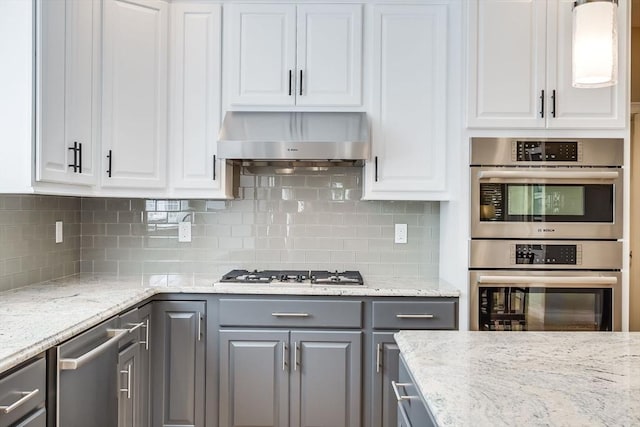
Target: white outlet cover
(184, 232)
(401, 233)
(59, 232)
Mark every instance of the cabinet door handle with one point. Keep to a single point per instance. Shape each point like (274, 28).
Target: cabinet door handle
(109, 168)
(295, 356)
(146, 335)
(375, 164)
(80, 157)
(128, 389)
(300, 82)
(415, 316)
(284, 356)
(290, 81)
(71, 364)
(199, 326)
(378, 358)
(214, 167)
(277, 314)
(395, 386)
(135, 326)
(75, 156)
(553, 103)
(542, 103)
(25, 396)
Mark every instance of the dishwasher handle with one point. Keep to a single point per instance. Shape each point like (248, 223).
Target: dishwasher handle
(71, 364)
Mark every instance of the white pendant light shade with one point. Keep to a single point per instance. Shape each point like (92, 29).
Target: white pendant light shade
(595, 44)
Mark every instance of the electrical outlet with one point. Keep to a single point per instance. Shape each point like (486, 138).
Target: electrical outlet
(401, 233)
(184, 232)
(58, 231)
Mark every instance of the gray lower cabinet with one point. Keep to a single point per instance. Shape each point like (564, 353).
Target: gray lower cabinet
(412, 411)
(290, 378)
(178, 363)
(387, 355)
(22, 396)
(128, 386)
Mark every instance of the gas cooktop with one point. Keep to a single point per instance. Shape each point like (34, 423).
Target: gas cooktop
(304, 277)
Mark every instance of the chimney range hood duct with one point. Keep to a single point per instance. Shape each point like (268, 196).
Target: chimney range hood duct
(300, 139)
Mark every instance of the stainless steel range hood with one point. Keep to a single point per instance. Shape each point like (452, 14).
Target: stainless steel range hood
(294, 138)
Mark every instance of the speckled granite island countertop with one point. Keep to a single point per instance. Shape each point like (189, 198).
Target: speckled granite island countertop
(526, 378)
(37, 317)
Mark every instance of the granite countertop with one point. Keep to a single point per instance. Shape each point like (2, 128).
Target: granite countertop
(37, 317)
(526, 378)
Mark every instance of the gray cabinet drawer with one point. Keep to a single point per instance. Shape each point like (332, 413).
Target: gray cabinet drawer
(22, 392)
(415, 315)
(290, 313)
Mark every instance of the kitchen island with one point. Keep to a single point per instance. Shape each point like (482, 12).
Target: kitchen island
(526, 378)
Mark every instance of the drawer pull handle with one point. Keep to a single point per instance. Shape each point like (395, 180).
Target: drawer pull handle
(135, 326)
(128, 389)
(290, 314)
(399, 398)
(415, 316)
(71, 364)
(146, 335)
(26, 395)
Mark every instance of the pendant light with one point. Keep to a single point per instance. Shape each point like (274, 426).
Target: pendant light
(595, 43)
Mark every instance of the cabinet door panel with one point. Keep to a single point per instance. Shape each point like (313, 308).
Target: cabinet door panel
(580, 107)
(178, 374)
(329, 34)
(254, 387)
(327, 375)
(128, 398)
(195, 96)
(261, 54)
(409, 117)
(507, 59)
(135, 92)
(385, 370)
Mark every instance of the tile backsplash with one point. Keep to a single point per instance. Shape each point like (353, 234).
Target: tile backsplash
(28, 252)
(303, 221)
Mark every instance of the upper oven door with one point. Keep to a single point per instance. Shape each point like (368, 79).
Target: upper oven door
(533, 202)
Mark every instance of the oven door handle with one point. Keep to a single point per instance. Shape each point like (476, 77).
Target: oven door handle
(556, 280)
(549, 174)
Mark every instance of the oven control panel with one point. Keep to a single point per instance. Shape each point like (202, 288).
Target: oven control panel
(546, 254)
(547, 151)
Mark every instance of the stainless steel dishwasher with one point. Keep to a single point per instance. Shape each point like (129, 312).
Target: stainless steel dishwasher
(87, 380)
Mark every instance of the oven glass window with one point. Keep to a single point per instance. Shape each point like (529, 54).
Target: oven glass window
(547, 203)
(545, 309)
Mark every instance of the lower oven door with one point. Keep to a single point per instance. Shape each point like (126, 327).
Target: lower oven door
(545, 301)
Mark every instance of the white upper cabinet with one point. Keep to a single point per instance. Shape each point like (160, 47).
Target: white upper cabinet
(134, 104)
(195, 101)
(286, 55)
(415, 65)
(67, 90)
(520, 69)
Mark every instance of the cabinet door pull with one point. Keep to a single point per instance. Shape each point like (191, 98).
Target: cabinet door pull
(75, 156)
(395, 386)
(134, 326)
(128, 389)
(278, 314)
(300, 82)
(375, 164)
(542, 103)
(214, 167)
(284, 356)
(553, 103)
(415, 316)
(25, 396)
(146, 335)
(109, 165)
(199, 326)
(295, 356)
(378, 358)
(290, 81)
(80, 157)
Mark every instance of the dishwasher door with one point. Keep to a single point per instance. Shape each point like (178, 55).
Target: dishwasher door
(88, 379)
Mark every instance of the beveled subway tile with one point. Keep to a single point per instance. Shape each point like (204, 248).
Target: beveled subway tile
(118, 254)
(118, 229)
(157, 217)
(103, 242)
(93, 204)
(369, 231)
(105, 217)
(118, 204)
(393, 207)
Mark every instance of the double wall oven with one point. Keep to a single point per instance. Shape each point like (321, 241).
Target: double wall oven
(546, 217)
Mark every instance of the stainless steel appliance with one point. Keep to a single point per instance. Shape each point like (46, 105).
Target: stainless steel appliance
(300, 277)
(552, 188)
(545, 285)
